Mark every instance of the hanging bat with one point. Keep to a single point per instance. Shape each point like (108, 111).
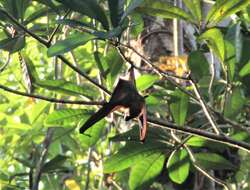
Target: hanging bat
(126, 96)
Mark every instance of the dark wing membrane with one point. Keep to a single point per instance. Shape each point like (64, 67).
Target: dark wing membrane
(101, 113)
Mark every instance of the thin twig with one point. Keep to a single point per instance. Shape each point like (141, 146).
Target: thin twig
(204, 107)
(56, 29)
(83, 74)
(155, 68)
(204, 172)
(41, 40)
(5, 64)
(130, 61)
(197, 132)
(192, 158)
(50, 99)
(43, 156)
(210, 92)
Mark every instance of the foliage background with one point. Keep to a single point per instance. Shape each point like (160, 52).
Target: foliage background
(71, 53)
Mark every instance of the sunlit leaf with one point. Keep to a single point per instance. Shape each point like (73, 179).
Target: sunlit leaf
(214, 39)
(245, 70)
(144, 172)
(194, 6)
(223, 9)
(72, 41)
(92, 134)
(130, 154)
(68, 88)
(146, 81)
(178, 166)
(164, 10)
(67, 115)
(179, 107)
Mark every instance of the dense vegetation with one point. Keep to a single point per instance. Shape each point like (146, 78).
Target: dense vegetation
(60, 61)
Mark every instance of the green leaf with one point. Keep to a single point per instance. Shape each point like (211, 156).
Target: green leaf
(198, 64)
(146, 81)
(72, 41)
(194, 6)
(223, 9)
(230, 59)
(25, 162)
(50, 4)
(37, 14)
(131, 7)
(116, 11)
(196, 141)
(241, 136)
(12, 45)
(31, 69)
(68, 88)
(55, 163)
(213, 9)
(37, 111)
(130, 154)
(213, 161)
(164, 10)
(178, 166)
(67, 115)
(88, 7)
(234, 102)
(16, 8)
(245, 70)
(179, 107)
(144, 172)
(115, 63)
(214, 39)
(74, 23)
(92, 134)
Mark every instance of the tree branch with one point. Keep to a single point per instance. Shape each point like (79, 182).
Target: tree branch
(41, 40)
(204, 107)
(56, 29)
(198, 132)
(49, 99)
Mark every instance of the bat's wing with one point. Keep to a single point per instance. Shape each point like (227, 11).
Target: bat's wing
(143, 123)
(101, 113)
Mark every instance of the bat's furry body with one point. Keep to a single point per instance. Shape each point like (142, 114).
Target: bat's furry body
(125, 95)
